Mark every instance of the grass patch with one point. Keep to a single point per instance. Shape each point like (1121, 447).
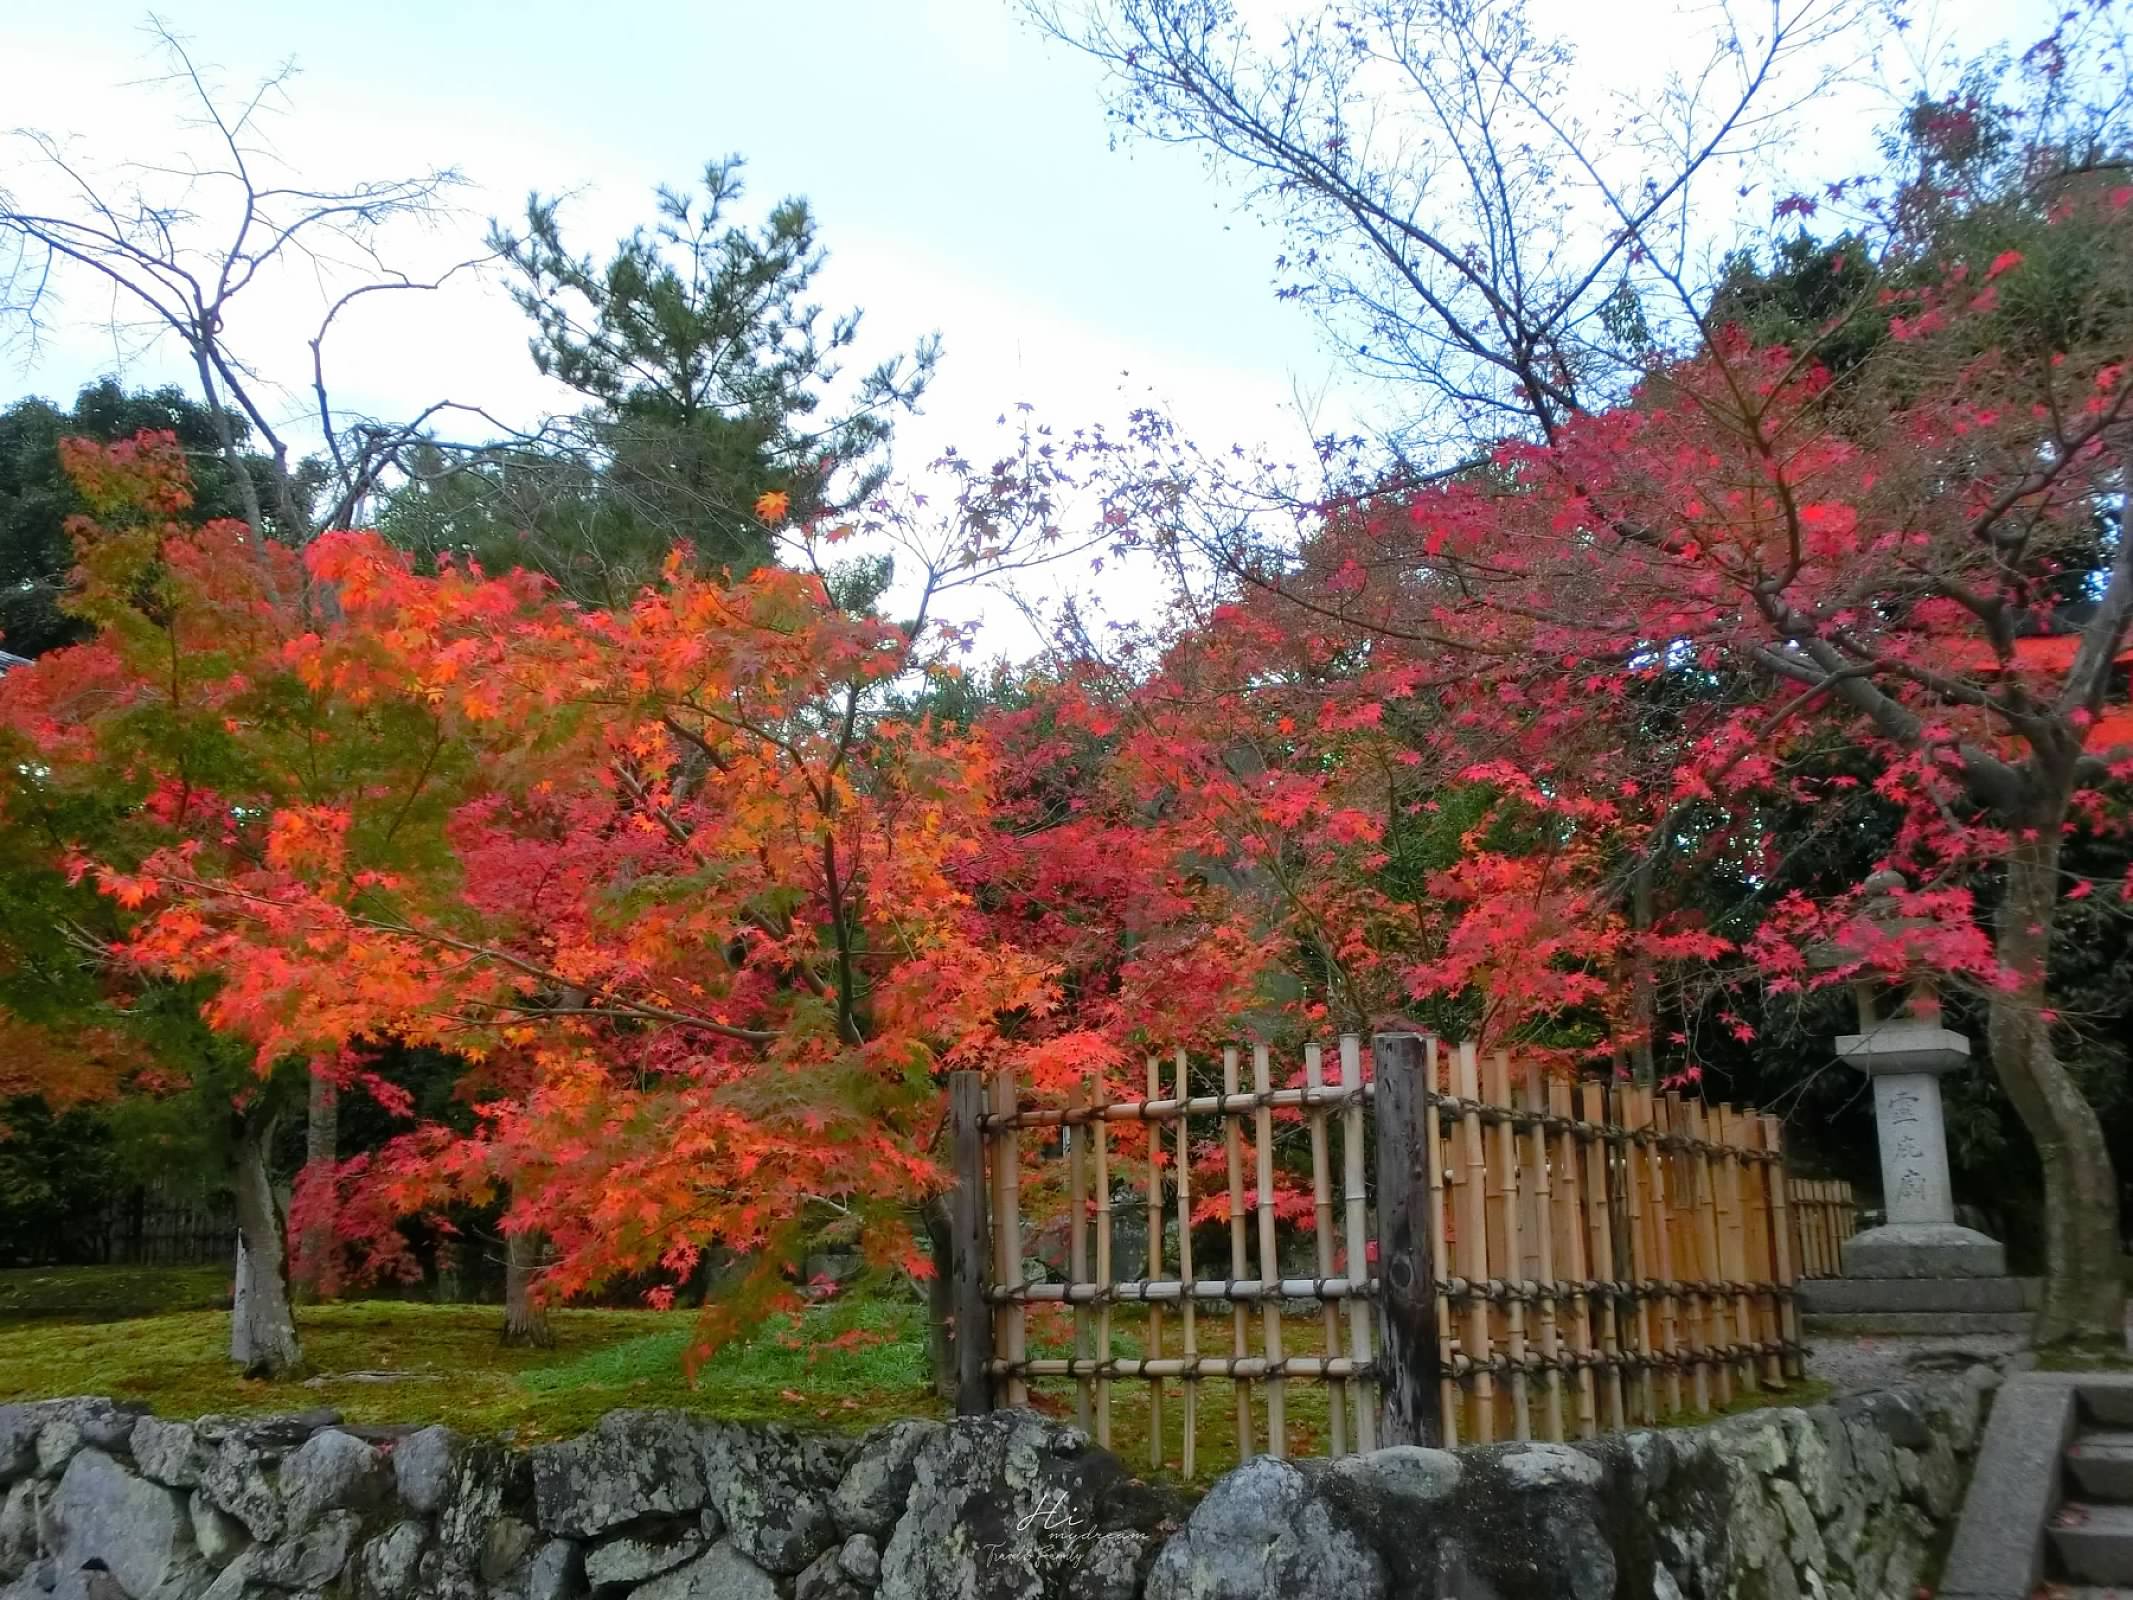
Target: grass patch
(106, 1294)
(400, 1361)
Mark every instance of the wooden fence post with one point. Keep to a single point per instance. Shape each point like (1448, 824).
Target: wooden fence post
(967, 1223)
(1407, 1268)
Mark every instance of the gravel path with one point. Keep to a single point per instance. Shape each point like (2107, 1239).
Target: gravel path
(1851, 1364)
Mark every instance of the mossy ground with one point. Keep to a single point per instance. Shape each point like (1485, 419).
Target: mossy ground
(847, 1364)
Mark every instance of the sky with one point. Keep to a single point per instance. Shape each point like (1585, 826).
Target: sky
(960, 166)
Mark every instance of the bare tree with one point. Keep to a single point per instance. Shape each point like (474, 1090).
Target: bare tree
(181, 244)
(1456, 225)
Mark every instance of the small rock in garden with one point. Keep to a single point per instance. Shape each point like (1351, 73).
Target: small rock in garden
(629, 1558)
(871, 1494)
(168, 1452)
(331, 1471)
(389, 1562)
(311, 1559)
(557, 1572)
(422, 1468)
(217, 1535)
(860, 1558)
(720, 1573)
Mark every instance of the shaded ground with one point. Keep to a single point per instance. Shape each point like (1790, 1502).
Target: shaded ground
(104, 1294)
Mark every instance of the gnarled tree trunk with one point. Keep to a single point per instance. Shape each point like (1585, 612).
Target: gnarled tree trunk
(262, 1326)
(2084, 1298)
(525, 1319)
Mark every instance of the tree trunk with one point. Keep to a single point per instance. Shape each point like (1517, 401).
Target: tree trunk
(525, 1320)
(2084, 1298)
(940, 1295)
(262, 1327)
(322, 1141)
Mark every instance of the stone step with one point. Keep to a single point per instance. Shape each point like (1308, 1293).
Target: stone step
(2094, 1542)
(1882, 1324)
(2106, 1405)
(2101, 1465)
(1819, 1296)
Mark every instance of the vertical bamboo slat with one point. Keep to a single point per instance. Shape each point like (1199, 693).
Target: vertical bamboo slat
(1433, 1136)
(1504, 1243)
(1709, 1256)
(1277, 1422)
(1657, 1170)
(1688, 1254)
(1078, 1251)
(1188, 1458)
(1010, 1322)
(1469, 1176)
(1636, 1112)
(1783, 1265)
(1541, 1217)
(1100, 1150)
(1240, 1265)
(1157, 1220)
(1356, 1243)
(1322, 1239)
(1570, 1235)
(1601, 1248)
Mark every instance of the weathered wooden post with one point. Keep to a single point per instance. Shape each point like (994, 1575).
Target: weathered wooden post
(969, 1245)
(1407, 1268)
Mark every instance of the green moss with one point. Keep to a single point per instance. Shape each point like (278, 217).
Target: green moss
(396, 1361)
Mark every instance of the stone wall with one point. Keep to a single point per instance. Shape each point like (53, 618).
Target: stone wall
(104, 1502)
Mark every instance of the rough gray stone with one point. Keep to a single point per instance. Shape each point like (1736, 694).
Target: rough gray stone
(1114, 1567)
(389, 1562)
(506, 1548)
(773, 1492)
(168, 1452)
(871, 1494)
(138, 1530)
(21, 1515)
(860, 1558)
(331, 1471)
(1550, 1466)
(633, 1464)
(57, 1442)
(1222, 1551)
(1008, 1505)
(19, 1426)
(313, 1558)
(557, 1571)
(423, 1464)
(217, 1535)
(1318, 1559)
(720, 1573)
(631, 1558)
(233, 1476)
(825, 1579)
(489, 1482)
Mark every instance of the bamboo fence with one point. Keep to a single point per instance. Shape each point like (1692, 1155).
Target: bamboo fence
(1824, 1216)
(1535, 1259)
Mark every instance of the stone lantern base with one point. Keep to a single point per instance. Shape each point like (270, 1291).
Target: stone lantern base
(1923, 1250)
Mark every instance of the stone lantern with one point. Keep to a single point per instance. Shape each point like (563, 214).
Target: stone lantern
(1920, 1263)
